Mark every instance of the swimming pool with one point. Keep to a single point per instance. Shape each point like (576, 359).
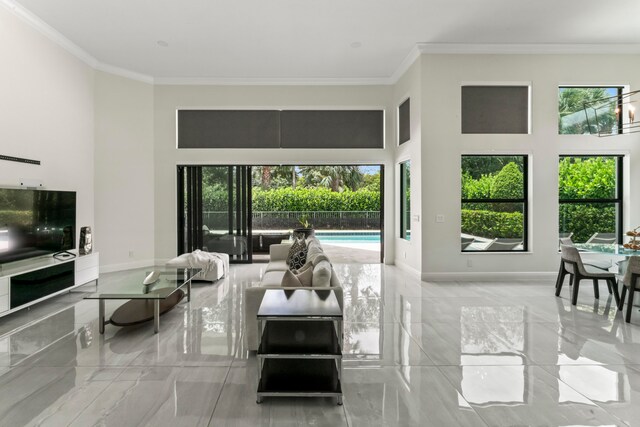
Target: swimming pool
(348, 236)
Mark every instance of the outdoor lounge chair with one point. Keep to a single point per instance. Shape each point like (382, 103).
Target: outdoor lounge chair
(465, 242)
(499, 244)
(605, 238)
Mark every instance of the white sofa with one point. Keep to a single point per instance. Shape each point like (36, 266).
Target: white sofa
(323, 276)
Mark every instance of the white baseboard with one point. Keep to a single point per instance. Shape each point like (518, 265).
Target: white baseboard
(406, 267)
(496, 276)
(127, 265)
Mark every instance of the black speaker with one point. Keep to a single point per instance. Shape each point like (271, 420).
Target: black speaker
(85, 246)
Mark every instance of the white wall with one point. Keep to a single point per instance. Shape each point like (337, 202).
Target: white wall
(168, 99)
(408, 252)
(124, 171)
(46, 114)
(443, 144)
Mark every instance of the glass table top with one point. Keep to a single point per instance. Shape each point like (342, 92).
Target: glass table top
(161, 283)
(299, 303)
(607, 248)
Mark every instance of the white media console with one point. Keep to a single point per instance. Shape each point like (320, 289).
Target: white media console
(28, 282)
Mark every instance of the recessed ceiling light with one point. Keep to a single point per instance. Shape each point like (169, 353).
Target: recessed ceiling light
(162, 43)
(356, 45)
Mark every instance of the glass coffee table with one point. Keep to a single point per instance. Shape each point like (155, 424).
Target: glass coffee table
(164, 289)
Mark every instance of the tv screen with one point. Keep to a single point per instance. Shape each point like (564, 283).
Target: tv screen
(35, 223)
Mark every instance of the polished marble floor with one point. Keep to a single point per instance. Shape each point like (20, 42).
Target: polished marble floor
(417, 354)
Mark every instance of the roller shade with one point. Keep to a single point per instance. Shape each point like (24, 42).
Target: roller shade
(228, 128)
(495, 109)
(332, 129)
(404, 122)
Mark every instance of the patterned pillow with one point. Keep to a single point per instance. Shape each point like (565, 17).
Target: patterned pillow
(298, 259)
(297, 246)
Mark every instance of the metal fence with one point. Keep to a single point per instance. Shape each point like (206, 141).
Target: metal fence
(284, 220)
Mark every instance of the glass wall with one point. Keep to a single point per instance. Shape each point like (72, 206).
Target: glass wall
(494, 203)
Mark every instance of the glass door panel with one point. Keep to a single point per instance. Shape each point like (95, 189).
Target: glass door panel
(215, 210)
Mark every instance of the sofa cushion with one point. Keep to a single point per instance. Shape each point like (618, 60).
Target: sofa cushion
(277, 266)
(321, 275)
(272, 278)
(306, 266)
(289, 280)
(306, 277)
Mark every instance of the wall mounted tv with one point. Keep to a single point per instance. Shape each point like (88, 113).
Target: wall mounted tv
(35, 223)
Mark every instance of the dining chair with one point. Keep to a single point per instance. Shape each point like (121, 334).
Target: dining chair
(572, 265)
(630, 281)
(602, 264)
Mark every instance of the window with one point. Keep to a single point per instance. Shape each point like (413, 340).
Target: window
(405, 200)
(572, 118)
(590, 189)
(494, 203)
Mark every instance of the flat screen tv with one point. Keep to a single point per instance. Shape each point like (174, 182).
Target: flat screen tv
(35, 223)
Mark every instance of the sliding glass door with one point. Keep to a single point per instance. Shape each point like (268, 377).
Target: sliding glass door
(214, 210)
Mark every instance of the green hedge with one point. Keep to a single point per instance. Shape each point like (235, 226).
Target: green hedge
(585, 220)
(490, 224)
(315, 199)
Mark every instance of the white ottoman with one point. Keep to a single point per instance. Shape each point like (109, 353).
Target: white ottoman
(214, 265)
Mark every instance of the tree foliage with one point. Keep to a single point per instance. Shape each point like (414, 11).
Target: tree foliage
(572, 118)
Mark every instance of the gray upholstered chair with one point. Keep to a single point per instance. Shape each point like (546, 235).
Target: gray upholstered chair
(630, 281)
(500, 244)
(465, 242)
(571, 264)
(604, 238)
(602, 264)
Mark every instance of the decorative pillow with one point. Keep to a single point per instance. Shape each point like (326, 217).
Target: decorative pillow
(298, 260)
(289, 280)
(306, 277)
(297, 246)
(306, 266)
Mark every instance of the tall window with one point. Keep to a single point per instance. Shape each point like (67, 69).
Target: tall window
(572, 118)
(590, 189)
(405, 200)
(494, 203)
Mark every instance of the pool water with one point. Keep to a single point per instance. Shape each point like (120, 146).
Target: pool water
(355, 237)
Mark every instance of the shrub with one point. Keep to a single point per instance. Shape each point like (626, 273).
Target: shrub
(588, 178)
(508, 183)
(490, 224)
(583, 220)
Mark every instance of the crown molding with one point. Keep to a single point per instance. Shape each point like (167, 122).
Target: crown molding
(123, 72)
(407, 62)
(275, 81)
(530, 49)
(48, 31)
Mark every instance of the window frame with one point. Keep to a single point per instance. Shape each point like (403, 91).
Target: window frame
(404, 203)
(620, 89)
(619, 199)
(524, 200)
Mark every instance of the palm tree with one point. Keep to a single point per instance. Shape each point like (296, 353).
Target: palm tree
(337, 178)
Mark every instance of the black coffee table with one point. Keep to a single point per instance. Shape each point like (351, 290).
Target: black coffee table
(300, 352)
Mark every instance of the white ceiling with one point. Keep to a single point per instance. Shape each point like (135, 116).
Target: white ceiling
(313, 39)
